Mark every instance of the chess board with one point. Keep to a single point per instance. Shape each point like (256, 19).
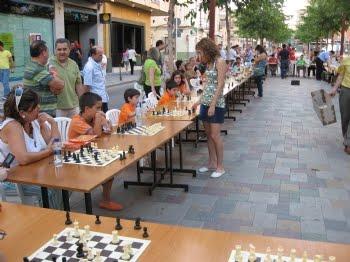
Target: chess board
(144, 130)
(261, 257)
(105, 157)
(109, 252)
(173, 113)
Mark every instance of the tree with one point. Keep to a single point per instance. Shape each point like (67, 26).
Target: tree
(262, 19)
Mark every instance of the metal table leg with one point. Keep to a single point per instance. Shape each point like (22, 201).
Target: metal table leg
(88, 203)
(45, 197)
(65, 197)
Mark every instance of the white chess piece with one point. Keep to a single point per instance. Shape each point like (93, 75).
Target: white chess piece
(317, 258)
(252, 256)
(87, 231)
(238, 253)
(76, 229)
(304, 258)
(115, 238)
(69, 236)
(268, 255)
(129, 249)
(279, 254)
(293, 254)
(54, 240)
(125, 255)
(90, 255)
(331, 259)
(98, 257)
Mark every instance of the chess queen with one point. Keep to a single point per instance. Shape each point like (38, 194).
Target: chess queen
(25, 134)
(212, 103)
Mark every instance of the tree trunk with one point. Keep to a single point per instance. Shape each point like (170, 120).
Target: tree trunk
(262, 41)
(228, 30)
(212, 7)
(344, 27)
(332, 41)
(327, 43)
(171, 39)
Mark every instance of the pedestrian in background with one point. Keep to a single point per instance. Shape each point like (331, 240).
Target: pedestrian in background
(132, 59)
(283, 57)
(6, 63)
(126, 59)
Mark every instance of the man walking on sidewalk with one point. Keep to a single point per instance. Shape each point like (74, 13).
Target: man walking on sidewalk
(283, 57)
(6, 62)
(343, 81)
(67, 70)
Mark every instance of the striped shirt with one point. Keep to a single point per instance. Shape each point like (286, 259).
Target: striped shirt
(37, 78)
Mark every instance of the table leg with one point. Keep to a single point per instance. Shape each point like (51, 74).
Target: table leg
(65, 197)
(45, 197)
(181, 169)
(88, 203)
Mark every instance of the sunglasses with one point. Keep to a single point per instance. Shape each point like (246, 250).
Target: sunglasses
(18, 95)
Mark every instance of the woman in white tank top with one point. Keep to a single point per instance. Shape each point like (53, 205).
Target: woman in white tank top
(27, 134)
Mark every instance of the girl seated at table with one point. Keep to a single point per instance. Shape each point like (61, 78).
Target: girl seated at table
(28, 135)
(181, 82)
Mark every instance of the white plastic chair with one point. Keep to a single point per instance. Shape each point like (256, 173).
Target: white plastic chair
(139, 88)
(63, 126)
(113, 116)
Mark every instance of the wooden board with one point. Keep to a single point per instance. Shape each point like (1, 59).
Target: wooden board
(35, 226)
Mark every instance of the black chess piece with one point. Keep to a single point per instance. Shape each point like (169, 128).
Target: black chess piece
(120, 157)
(25, 259)
(69, 153)
(96, 156)
(131, 149)
(118, 130)
(80, 252)
(137, 225)
(186, 108)
(77, 160)
(124, 155)
(145, 233)
(64, 259)
(163, 110)
(66, 158)
(54, 258)
(98, 221)
(74, 156)
(68, 221)
(189, 112)
(118, 226)
(193, 110)
(153, 112)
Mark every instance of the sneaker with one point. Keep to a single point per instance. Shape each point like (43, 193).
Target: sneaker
(216, 174)
(110, 205)
(203, 169)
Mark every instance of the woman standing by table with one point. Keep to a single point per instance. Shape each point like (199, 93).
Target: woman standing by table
(259, 70)
(212, 103)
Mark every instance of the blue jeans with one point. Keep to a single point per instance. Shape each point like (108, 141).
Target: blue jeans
(259, 84)
(284, 68)
(5, 80)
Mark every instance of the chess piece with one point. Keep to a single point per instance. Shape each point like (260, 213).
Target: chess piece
(80, 252)
(87, 231)
(252, 256)
(115, 238)
(137, 225)
(54, 258)
(145, 233)
(69, 153)
(125, 255)
(268, 255)
(69, 236)
(90, 255)
(64, 259)
(76, 229)
(124, 155)
(131, 149)
(293, 254)
(68, 221)
(128, 246)
(98, 221)
(331, 259)
(238, 253)
(118, 226)
(120, 157)
(279, 254)
(78, 159)
(98, 257)
(74, 156)
(96, 156)
(54, 240)
(153, 112)
(304, 257)
(317, 258)
(118, 130)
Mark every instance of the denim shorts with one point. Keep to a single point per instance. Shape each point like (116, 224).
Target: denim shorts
(217, 118)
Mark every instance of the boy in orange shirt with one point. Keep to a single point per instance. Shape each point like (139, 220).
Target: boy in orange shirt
(127, 111)
(169, 94)
(92, 121)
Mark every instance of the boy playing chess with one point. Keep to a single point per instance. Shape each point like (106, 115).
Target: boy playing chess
(169, 94)
(92, 121)
(127, 111)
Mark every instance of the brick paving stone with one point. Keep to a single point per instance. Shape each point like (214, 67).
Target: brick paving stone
(314, 237)
(289, 187)
(338, 236)
(298, 177)
(263, 197)
(313, 226)
(334, 193)
(336, 225)
(282, 170)
(306, 211)
(264, 220)
(288, 225)
(279, 209)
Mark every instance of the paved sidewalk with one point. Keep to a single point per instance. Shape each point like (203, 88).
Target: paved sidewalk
(113, 78)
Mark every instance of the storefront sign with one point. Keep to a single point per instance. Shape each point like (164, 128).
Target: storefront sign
(33, 37)
(105, 18)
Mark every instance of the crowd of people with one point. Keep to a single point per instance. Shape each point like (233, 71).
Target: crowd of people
(55, 86)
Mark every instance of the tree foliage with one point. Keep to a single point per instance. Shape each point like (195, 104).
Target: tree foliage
(263, 19)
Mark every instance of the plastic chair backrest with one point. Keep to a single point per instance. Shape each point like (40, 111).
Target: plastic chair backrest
(63, 126)
(113, 116)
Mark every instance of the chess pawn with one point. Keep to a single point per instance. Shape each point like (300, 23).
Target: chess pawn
(76, 228)
(317, 258)
(293, 254)
(125, 255)
(129, 249)
(268, 255)
(98, 257)
(304, 257)
(279, 254)
(69, 236)
(331, 259)
(252, 256)
(238, 251)
(54, 240)
(90, 255)
(115, 238)
(87, 231)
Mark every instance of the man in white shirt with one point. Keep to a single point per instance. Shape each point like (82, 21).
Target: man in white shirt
(132, 59)
(232, 54)
(94, 76)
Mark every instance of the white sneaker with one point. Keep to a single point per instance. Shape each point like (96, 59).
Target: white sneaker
(203, 169)
(217, 174)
